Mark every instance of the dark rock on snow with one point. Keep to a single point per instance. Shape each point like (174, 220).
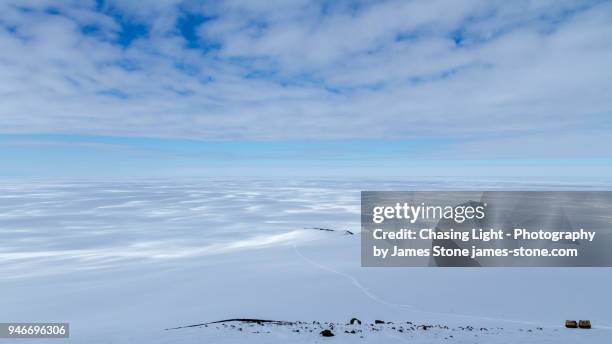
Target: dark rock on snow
(327, 333)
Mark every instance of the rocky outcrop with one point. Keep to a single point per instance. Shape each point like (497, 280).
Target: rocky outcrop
(327, 333)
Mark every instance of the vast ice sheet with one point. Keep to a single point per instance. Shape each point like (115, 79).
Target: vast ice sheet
(122, 260)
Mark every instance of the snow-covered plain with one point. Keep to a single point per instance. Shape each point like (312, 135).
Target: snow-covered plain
(123, 260)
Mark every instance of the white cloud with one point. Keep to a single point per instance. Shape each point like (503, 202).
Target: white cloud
(303, 69)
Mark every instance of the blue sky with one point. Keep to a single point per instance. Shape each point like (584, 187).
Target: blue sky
(84, 156)
(315, 88)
